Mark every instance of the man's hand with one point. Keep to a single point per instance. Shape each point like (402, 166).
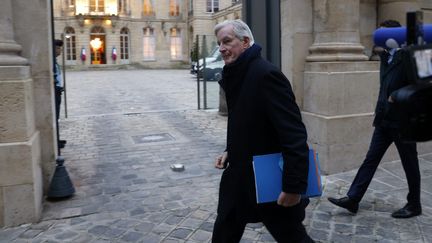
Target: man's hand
(390, 99)
(288, 199)
(221, 160)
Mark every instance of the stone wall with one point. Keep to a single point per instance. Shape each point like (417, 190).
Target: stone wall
(26, 110)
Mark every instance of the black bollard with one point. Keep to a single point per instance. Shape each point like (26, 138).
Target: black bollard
(61, 185)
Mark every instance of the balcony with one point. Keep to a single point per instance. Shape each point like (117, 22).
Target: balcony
(89, 10)
(89, 19)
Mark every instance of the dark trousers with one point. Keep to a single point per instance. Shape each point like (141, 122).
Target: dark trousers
(58, 93)
(382, 138)
(284, 224)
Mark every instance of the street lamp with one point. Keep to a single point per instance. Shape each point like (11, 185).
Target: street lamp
(66, 39)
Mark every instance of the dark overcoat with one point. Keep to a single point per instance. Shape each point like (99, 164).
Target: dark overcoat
(263, 118)
(394, 75)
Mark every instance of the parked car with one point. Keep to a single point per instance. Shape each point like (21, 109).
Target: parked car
(213, 57)
(213, 71)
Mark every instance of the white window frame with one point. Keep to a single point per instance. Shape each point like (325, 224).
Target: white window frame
(97, 10)
(174, 8)
(176, 45)
(149, 44)
(124, 45)
(123, 6)
(150, 2)
(69, 3)
(212, 5)
(190, 5)
(70, 45)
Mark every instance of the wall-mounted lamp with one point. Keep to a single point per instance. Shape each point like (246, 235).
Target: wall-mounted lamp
(113, 21)
(163, 28)
(80, 19)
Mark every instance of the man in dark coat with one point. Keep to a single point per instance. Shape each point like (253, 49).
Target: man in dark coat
(394, 74)
(263, 118)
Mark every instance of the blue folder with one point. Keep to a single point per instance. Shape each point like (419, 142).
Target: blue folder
(268, 176)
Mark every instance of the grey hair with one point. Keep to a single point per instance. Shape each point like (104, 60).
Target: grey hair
(240, 28)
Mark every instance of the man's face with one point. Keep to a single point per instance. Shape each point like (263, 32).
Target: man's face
(230, 46)
(58, 50)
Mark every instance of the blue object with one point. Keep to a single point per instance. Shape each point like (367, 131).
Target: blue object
(396, 37)
(268, 176)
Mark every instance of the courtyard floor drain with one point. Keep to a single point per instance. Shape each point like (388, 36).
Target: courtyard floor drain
(160, 137)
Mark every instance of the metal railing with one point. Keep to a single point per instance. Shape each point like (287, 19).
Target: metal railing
(207, 65)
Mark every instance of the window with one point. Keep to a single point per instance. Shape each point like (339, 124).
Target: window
(70, 43)
(147, 8)
(123, 6)
(149, 44)
(176, 44)
(190, 6)
(124, 44)
(174, 8)
(235, 1)
(69, 3)
(212, 6)
(97, 5)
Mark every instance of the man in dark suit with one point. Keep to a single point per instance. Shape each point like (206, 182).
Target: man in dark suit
(394, 74)
(263, 118)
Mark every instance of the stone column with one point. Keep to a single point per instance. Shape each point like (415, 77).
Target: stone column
(20, 172)
(340, 87)
(336, 27)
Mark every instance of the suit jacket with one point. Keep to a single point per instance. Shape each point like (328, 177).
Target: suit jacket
(393, 76)
(263, 118)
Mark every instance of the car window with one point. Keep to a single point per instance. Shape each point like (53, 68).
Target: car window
(215, 52)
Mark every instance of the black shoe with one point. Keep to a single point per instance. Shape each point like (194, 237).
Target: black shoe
(407, 211)
(345, 202)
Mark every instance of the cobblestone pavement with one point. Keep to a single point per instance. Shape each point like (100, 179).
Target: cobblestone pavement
(124, 130)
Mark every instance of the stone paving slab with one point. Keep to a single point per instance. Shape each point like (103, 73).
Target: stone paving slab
(126, 191)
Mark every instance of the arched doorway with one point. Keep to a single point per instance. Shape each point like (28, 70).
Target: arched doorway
(98, 45)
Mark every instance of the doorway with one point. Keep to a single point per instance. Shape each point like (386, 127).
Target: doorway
(97, 47)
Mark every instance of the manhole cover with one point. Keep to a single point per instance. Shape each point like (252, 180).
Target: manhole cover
(151, 138)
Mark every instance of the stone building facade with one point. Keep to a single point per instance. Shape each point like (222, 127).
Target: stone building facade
(325, 48)
(148, 33)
